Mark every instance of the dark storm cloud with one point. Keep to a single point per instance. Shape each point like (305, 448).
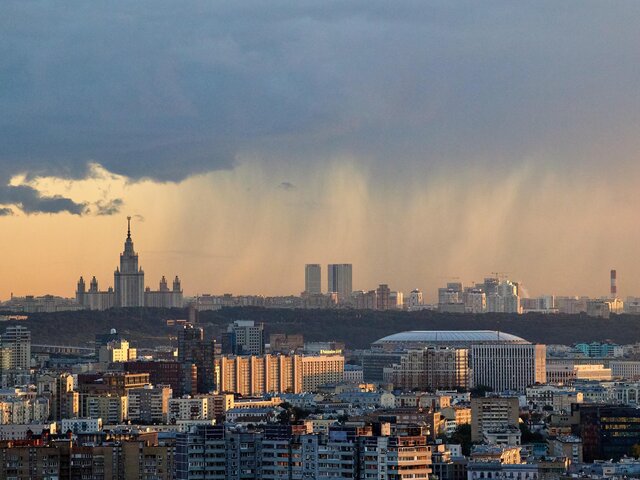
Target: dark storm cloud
(286, 186)
(108, 207)
(164, 90)
(30, 200)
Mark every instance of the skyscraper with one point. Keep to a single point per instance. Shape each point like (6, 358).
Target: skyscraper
(339, 280)
(383, 293)
(312, 278)
(194, 349)
(128, 289)
(128, 280)
(18, 339)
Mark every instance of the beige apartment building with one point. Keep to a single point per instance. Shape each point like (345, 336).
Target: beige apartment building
(491, 413)
(431, 368)
(256, 375)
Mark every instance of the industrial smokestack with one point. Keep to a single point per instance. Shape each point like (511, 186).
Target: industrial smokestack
(614, 287)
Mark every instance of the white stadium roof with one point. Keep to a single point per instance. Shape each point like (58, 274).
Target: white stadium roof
(451, 337)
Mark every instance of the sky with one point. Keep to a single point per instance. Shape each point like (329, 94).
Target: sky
(420, 141)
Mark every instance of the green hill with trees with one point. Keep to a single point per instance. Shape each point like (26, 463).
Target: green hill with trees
(357, 328)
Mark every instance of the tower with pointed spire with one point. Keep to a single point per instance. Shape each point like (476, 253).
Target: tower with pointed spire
(128, 279)
(128, 286)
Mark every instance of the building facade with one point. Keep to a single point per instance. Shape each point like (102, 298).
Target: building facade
(508, 366)
(431, 368)
(493, 413)
(18, 340)
(149, 404)
(277, 452)
(313, 279)
(257, 375)
(339, 280)
(607, 431)
(193, 349)
(245, 338)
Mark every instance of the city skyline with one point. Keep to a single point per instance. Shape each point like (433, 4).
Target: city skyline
(322, 280)
(417, 142)
(319, 240)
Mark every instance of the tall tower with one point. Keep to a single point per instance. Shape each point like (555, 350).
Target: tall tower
(339, 277)
(80, 291)
(18, 339)
(614, 286)
(128, 280)
(194, 349)
(312, 279)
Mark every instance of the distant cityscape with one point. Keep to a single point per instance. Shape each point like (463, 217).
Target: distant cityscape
(244, 402)
(247, 404)
(496, 294)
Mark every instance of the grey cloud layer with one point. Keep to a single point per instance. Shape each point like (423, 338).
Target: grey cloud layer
(165, 90)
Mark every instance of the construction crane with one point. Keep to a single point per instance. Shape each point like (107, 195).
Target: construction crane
(500, 275)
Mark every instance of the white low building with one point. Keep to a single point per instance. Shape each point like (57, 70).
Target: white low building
(188, 409)
(81, 425)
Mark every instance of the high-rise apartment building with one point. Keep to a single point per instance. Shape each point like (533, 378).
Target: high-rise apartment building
(475, 300)
(194, 349)
(339, 280)
(149, 404)
(256, 375)
(181, 377)
(58, 390)
(245, 338)
(18, 339)
(286, 451)
(112, 409)
(450, 298)
(416, 300)
(312, 279)
(430, 369)
(508, 366)
(383, 292)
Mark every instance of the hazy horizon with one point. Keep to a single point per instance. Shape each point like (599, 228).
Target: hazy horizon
(418, 142)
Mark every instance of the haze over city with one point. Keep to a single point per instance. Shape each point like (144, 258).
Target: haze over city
(319, 240)
(418, 142)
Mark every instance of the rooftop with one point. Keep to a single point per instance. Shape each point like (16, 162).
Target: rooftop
(452, 337)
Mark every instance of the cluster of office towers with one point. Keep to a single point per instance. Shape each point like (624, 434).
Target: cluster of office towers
(339, 279)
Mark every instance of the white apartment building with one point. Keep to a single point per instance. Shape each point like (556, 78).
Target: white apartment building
(508, 366)
(188, 409)
(18, 339)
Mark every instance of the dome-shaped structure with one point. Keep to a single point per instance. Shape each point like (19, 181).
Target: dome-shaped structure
(454, 338)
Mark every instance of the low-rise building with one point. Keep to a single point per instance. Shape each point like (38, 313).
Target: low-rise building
(188, 409)
(80, 425)
(353, 374)
(568, 446)
(493, 413)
